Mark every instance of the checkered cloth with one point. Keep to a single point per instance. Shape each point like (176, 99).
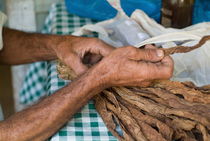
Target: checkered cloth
(41, 80)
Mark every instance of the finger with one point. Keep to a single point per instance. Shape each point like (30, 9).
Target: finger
(150, 47)
(148, 71)
(104, 49)
(162, 70)
(151, 55)
(168, 61)
(76, 64)
(95, 58)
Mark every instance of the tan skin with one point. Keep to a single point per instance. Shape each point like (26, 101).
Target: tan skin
(125, 66)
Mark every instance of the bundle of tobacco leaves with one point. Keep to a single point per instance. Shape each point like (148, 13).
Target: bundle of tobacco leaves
(164, 111)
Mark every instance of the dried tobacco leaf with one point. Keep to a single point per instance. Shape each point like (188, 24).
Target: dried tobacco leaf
(184, 49)
(164, 111)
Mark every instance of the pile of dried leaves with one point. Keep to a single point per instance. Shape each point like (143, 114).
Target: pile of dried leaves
(164, 111)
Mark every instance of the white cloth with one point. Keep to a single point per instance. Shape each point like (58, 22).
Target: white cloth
(119, 31)
(3, 19)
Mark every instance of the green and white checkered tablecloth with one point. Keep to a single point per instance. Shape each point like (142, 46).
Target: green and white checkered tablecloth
(41, 80)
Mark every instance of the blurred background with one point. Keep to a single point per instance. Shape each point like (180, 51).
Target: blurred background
(26, 15)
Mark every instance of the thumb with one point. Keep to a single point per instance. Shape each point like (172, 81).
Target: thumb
(75, 63)
(151, 55)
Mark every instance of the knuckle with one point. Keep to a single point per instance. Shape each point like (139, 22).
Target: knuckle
(118, 51)
(149, 46)
(129, 48)
(149, 54)
(152, 52)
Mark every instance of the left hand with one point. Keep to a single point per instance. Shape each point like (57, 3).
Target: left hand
(129, 66)
(72, 50)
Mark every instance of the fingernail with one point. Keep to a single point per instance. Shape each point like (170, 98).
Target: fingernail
(159, 53)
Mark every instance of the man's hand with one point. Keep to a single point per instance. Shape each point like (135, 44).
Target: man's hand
(21, 47)
(130, 66)
(74, 51)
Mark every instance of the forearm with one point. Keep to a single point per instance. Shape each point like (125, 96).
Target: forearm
(21, 47)
(43, 119)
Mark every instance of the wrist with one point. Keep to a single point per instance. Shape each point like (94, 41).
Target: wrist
(62, 44)
(89, 84)
(48, 42)
(100, 75)
(53, 42)
(96, 80)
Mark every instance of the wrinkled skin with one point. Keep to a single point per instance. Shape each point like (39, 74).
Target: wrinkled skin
(126, 66)
(72, 51)
(130, 66)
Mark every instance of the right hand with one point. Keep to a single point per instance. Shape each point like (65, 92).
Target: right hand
(129, 66)
(72, 49)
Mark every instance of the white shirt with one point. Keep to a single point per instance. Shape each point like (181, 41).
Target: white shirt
(3, 19)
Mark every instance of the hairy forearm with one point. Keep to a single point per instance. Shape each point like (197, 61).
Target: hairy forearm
(21, 47)
(43, 119)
